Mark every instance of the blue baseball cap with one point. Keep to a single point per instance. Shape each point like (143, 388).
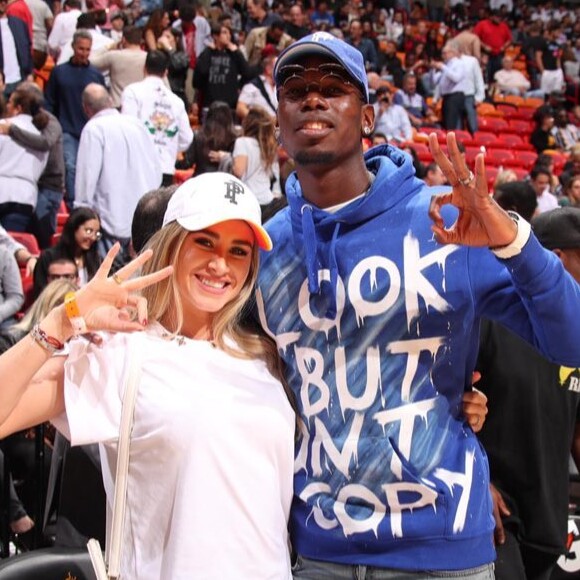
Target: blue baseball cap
(327, 45)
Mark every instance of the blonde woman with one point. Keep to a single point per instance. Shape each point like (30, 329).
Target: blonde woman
(212, 447)
(255, 156)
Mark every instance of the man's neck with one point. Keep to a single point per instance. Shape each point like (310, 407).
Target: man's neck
(327, 187)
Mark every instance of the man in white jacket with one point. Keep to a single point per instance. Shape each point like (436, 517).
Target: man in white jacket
(162, 112)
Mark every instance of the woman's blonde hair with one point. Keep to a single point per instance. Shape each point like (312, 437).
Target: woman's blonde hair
(53, 295)
(164, 303)
(260, 125)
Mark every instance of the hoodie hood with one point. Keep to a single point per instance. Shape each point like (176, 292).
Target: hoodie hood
(317, 230)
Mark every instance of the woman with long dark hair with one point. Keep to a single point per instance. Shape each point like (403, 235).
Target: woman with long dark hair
(213, 144)
(157, 23)
(77, 243)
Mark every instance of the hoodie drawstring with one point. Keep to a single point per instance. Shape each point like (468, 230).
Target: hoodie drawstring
(309, 236)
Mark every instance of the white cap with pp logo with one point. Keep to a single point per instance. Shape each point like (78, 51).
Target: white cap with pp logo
(212, 198)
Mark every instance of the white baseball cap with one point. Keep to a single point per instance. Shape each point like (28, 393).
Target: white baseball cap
(212, 198)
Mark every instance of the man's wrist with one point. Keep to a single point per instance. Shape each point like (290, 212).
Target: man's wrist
(522, 236)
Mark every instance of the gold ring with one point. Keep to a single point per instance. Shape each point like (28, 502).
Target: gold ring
(467, 180)
(117, 278)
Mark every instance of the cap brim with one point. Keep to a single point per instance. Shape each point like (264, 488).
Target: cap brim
(262, 238)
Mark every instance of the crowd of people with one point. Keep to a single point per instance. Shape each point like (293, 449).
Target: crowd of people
(167, 133)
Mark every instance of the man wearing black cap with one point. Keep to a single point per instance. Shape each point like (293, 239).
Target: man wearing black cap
(533, 423)
(375, 308)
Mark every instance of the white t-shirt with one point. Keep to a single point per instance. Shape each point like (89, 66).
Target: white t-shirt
(211, 460)
(256, 177)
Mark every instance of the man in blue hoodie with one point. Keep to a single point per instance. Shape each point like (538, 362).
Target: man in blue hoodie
(374, 295)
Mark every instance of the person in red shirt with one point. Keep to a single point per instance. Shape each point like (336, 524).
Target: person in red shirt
(19, 9)
(495, 36)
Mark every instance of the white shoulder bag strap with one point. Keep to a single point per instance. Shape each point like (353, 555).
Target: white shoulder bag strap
(120, 496)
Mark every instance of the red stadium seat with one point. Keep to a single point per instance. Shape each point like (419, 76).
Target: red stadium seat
(484, 138)
(521, 126)
(514, 141)
(463, 137)
(497, 157)
(492, 124)
(520, 172)
(525, 113)
(471, 152)
(491, 173)
(28, 241)
(524, 159)
(423, 151)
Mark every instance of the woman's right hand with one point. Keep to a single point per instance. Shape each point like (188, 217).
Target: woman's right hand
(106, 301)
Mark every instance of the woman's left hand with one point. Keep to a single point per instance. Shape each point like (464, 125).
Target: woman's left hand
(106, 301)
(475, 405)
(481, 221)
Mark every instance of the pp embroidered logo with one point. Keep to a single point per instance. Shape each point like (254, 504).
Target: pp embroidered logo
(321, 36)
(233, 189)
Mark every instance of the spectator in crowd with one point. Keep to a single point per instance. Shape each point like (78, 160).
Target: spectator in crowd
(534, 444)
(64, 100)
(572, 167)
(364, 45)
(51, 181)
(469, 43)
(24, 258)
(505, 176)
(260, 91)
(255, 156)
(77, 243)
(216, 134)
(65, 25)
(157, 23)
(375, 467)
(420, 114)
(258, 15)
(21, 167)
(566, 134)
(549, 61)
(510, 81)
(63, 269)
(119, 22)
(124, 65)
(19, 521)
(111, 140)
(571, 193)
(11, 294)
(322, 18)
(178, 68)
(391, 65)
(540, 180)
(541, 137)
(162, 113)
(495, 36)
(452, 87)
(15, 50)
(100, 42)
(391, 119)
(259, 38)
(19, 9)
(219, 69)
(148, 216)
(297, 24)
(434, 177)
(42, 21)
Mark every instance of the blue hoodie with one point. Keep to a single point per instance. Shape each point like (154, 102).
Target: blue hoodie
(378, 326)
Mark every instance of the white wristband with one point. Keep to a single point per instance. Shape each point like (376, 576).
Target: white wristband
(523, 235)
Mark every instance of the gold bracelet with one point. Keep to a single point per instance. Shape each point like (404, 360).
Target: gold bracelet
(73, 314)
(48, 343)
